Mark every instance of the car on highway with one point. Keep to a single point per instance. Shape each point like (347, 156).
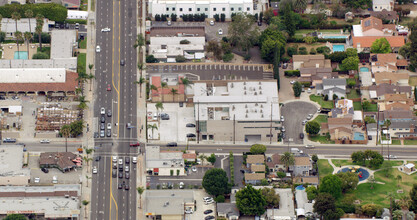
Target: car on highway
(127, 160)
(98, 49)
(190, 125)
(120, 175)
(45, 141)
(172, 144)
(108, 87)
(309, 146)
(134, 160)
(126, 169)
(114, 159)
(391, 157)
(120, 186)
(114, 173)
(102, 111)
(103, 119)
(134, 144)
(102, 133)
(105, 29)
(120, 161)
(211, 22)
(109, 113)
(45, 170)
(108, 133)
(122, 62)
(120, 167)
(94, 170)
(127, 175)
(208, 211)
(108, 125)
(127, 187)
(114, 165)
(220, 32)
(190, 135)
(301, 135)
(98, 158)
(102, 126)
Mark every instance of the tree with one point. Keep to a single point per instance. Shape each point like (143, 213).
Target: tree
(29, 14)
(250, 201)
(309, 39)
(338, 56)
(315, 158)
(186, 83)
(386, 168)
(16, 17)
(370, 210)
(151, 59)
(376, 160)
(159, 106)
(212, 159)
(289, 19)
(413, 196)
(331, 184)
(216, 182)
(140, 190)
(404, 203)
(152, 127)
(40, 56)
(66, 131)
(220, 199)
(258, 149)
(271, 197)
(405, 50)
(358, 4)
(173, 17)
(27, 35)
(381, 45)
(173, 92)
(139, 42)
(366, 105)
(140, 82)
(358, 157)
(372, 181)
(15, 217)
(350, 63)
(281, 174)
(398, 178)
(312, 127)
(349, 181)
(38, 29)
(85, 203)
(352, 52)
(77, 128)
(222, 17)
(312, 193)
(242, 32)
(19, 37)
(296, 87)
(300, 5)
(90, 76)
(213, 46)
(180, 59)
(287, 159)
(324, 202)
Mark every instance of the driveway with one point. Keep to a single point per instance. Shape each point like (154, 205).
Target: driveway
(294, 113)
(193, 179)
(285, 92)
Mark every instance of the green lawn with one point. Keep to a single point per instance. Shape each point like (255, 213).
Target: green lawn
(324, 168)
(410, 142)
(353, 94)
(372, 108)
(81, 62)
(83, 43)
(357, 106)
(321, 139)
(299, 33)
(396, 142)
(46, 50)
(378, 194)
(320, 101)
(321, 119)
(339, 163)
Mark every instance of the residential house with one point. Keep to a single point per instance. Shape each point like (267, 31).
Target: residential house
(343, 108)
(331, 87)
(228, 211)
(169, 204)
(363, 44)
(310, 61)
(286, 206)
(386, 15)
(304, 208)
(166, 43)
(396, 101)
(302, 166)
(371, 129)
(275, 164)
(373, 26)
(63, 161)
(400, 79)
(379, 5)
(256, 165)
(379, 91)
(164, 163)
(384, 62)
(402, 129)
(395, 115)
(315, 75)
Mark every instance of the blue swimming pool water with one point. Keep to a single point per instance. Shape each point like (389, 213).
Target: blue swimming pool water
(22, 55)
(338, 48)
(358, 136)
(335, 37)
(364, 69)
(300, 187)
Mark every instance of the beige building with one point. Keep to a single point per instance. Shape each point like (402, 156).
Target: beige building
(237, 111)
(164, 163)
(168, 204)
(309, 61)
(12, 169)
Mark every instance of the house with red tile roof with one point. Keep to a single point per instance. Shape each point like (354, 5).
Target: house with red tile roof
(373, 26)
(165, 87)
(363, 44)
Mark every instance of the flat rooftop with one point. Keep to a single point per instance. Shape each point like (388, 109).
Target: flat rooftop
(11, 161)
(33, 75)
(177, 31)
(63, 42)
(168, 202)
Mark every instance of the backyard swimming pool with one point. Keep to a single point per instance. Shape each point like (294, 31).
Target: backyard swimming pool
(300, 187)
(22, 55)
(358, 136)
(364, 69)
(335, 37)
(338, 48)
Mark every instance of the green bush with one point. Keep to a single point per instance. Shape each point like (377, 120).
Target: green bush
(185, 41)
(151, 59)
(40, 56)
(74, 21)
(220, 199)
(291, 73)
(180, 59)
(291, 51)
(323, 49)
(302, 51)
(306, 84)
(45, 38)
(313, 51)
(228, 57)
(51, 11)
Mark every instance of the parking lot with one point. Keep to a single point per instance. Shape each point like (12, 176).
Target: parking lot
(71, 177)
(214, 71)
(201, 207)
(192, 180)
(294, 113)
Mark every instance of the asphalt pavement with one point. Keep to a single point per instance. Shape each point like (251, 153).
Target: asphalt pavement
(294, 113)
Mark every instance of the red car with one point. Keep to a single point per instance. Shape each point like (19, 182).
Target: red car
(108, 87)
(134, 144)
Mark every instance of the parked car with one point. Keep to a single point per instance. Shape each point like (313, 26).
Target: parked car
(194, 169)
(181, 185)
(120, 161)
(190, 135)
(45, 170)
(164, 116)
(169, 23)
(284, 66)
(391, 157)
(37, 179)
(102, 133)
(102, 126)
(283, 129)
(220, 32)
(208, 211)
(102, 111)
(309, 146)
(259, 23)
(211, 22)
(94, 170)
(282, 118)
(190, 125)
(9, 140)
(45, 141)
(301, 135)
(172, 144)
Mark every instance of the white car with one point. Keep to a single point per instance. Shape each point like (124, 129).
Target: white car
(207, 198)
(102, 111)
(169, 23)
(282, 118)
(309, 146)
(189, 210)
(391, 157)
(114, 159)
(292, 81)
(181, 185)
(120, 161)
(220, 32)
(45, 141)
(308, 90)
(211, 22)
(94, 170)
(209, 201)
(109, 126)
(134, 160)
(98, 49)
(105, 29)
(37, 180)
(304, 122)
(194, 169)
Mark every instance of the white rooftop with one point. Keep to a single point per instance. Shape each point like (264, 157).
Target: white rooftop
(32, 75)
(157, 159)
(72, 14)
(51, 207)
(11, 161)
(8, 25)
(63, 42)
(409, 165)
(42, 189)
(250, 100)
(199, 1)
(357, 30)
(357, 115)
(67, 63)
(168, 202)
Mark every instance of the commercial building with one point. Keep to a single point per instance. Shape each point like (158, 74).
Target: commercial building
(63, 43)
(12, 166)
(164, 163)
(8, 26)
(63, 161)
(209, 7)
(73, 14)
(168, 204)
(242, 111)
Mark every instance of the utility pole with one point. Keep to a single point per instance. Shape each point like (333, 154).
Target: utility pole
(377, 130)
(234, 128)
(198, 122)
(270, 126)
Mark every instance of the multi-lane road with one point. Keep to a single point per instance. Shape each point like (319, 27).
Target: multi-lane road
(115, 67)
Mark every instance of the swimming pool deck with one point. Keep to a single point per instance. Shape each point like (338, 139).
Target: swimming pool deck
(9, 49)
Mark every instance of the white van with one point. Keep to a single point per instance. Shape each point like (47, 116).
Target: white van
(54, 180)
(134, 160)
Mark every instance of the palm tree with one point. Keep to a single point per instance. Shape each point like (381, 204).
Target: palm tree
(19, 37)
(140, 41)
(141, 67)
(152, 126)
(399, 178)
(27, 36)
(163, 85)
(82, 78)
(38, 29)
(83, 103)
(173, 91)
(16, 17)
(391, 198)
(404, 203)
(140, 82)
(90, 76)
(85, 203)
(288, 159)
(87, 159)
(300, 5)
(153, 87)
(87, 177)
(66, 131)
(29, 15)
(78, 90)
(186, 83)
(397, 214)
(202, 157)
(140, 190)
